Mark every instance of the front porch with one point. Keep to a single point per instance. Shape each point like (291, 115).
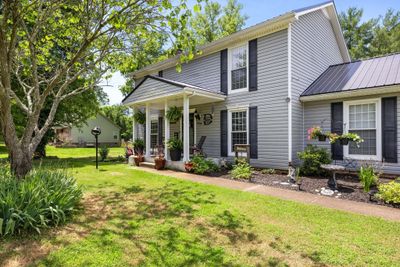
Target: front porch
(157, 129)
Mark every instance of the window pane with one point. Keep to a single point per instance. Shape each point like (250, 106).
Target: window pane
(239, 139)
(362, 116)
(239, 78)
(368, 147)
(239, 128)
(239, 57)
(239, 67)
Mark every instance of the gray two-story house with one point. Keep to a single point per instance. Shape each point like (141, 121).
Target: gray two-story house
(266, 85)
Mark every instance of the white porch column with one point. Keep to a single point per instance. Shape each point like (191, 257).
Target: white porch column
(186, 149)
(166, 130)
(148, 130)
(133, 124)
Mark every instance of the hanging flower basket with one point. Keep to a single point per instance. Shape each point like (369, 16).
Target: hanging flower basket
(139, 117)
(316, 133)
(344, 141)
(173, 114)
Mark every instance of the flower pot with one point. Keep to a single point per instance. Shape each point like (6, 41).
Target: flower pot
(175, 154)
(159, 163)
(189, 166)
(137, 160)
(344, 141)
(322, 138)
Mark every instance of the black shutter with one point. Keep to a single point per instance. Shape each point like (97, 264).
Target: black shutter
(160, 130)
(224, 133)
(253, 65)
(224, 71)
(337, 127)
(160, 73)
(253, 132)
(389, 129)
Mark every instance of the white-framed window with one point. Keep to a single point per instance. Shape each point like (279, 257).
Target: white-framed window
(154, 133)
(238, 128)
(238, 59)
(363, 117)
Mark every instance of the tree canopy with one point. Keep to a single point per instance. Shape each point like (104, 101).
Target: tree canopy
(45, 46)
(373, 37)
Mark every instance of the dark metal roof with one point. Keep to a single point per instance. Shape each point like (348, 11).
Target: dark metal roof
(172, 82)
(363, 74)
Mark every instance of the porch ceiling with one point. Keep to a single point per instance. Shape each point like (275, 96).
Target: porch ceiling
(174, 94)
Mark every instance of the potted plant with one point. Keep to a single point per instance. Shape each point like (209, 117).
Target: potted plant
(189, 166)
(173, 114)
(138, 146)
(175, 147)
(316, 133)
(159, 161)
(345, 138)
(138, 158)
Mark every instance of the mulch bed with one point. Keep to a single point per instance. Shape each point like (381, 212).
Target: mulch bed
(349, 186)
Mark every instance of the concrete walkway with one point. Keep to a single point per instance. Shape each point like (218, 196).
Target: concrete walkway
(307, 198)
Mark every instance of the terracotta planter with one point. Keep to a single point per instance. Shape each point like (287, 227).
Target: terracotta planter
(159, 163)
(322, 138)
(189, 166)
(344, 141)
(175, 155)
(138, 159)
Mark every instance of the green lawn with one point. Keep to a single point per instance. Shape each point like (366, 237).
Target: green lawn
(132, 217)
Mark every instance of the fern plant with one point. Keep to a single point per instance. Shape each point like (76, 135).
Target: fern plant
(173, 114)
(139, 117)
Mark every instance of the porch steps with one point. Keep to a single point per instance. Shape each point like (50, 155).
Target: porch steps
(147, 164)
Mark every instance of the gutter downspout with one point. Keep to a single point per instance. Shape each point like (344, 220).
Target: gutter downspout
(289, 98)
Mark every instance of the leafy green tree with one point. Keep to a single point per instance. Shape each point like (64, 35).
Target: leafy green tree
(47, 45)
(232, 19)
(358, 35)
(216, 22)
(387, 34)
(119, 114)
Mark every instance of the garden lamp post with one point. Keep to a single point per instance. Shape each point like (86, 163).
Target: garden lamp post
(96, 131)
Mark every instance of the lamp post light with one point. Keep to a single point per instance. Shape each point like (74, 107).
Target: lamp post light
(96, 131)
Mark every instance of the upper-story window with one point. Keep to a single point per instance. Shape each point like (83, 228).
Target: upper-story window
(238, 67)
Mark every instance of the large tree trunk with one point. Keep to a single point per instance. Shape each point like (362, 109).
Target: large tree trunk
(20, 162)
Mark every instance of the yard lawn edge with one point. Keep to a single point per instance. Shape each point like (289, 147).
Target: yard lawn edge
(387, 213)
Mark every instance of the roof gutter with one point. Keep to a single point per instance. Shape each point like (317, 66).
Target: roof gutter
(352, 93)
(264, 28)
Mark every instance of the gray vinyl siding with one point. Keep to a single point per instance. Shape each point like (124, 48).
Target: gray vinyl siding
(314, 48)
(270, 98)
(319, 114)
(203, 72)
(152, 88)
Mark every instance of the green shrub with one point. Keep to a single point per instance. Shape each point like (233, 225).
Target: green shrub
(104, 150)
(44, 198)
(390, 192)
(367, 177)
(241, 170)
(312, 158)
(268, 171)
(202, 165)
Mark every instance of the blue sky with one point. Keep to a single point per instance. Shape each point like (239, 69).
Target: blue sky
(258, 11)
